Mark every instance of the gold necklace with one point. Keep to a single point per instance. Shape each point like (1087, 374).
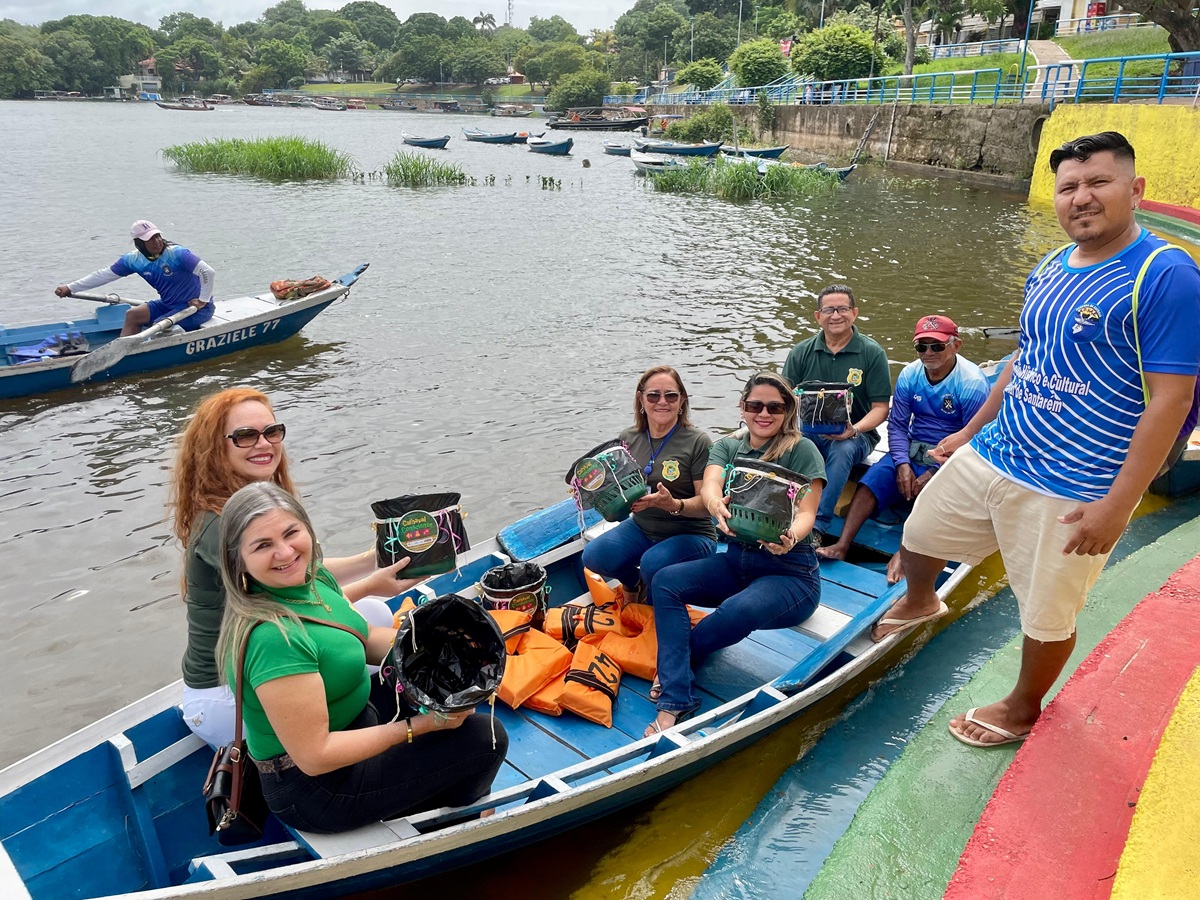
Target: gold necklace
(315, 601)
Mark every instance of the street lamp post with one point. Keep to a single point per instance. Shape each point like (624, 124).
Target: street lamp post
(822, 25)
(739, 37)
(692, 54)
(1025, 45)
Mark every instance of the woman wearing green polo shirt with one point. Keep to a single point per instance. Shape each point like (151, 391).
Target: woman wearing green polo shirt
(334, 751)
(752, 586)
(669, 525)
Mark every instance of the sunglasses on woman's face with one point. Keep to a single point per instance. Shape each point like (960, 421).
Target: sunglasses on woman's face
(248, 437)
(656, 396)
(935, 346)
(774, 407)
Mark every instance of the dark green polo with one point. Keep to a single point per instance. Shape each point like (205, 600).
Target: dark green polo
(861, 363)
(205, 601)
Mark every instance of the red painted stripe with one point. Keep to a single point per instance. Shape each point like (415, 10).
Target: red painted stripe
(1187, 213)
(1057, 822)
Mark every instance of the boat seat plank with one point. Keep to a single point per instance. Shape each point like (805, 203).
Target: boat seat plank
(376, 834)
(544, 530)
(844, 600)
(823, 624)
(733, 671)
(853, 576)
(791, 643)
(532, 751)
(873, 535)
(143, 771)
(588, 738)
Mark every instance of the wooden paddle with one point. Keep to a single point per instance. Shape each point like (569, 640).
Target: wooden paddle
(114, 351)
(113, 299)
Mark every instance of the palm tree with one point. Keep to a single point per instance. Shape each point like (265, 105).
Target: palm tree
(485, 22)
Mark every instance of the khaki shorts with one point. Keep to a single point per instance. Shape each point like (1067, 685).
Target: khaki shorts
(969, 511)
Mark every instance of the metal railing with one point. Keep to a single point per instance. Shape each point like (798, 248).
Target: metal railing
(1099, 23)
(1111, 79)
(1121, 79)
(975, 48)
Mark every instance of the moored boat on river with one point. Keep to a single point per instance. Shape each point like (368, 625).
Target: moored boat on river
(125, 790)
(492, 137)
(756, 152)
(550, 147)
(186, 104)
(598, 118)
(649, 163)
(705, 149)
(430, 143)
(236, 324)
(616, 148)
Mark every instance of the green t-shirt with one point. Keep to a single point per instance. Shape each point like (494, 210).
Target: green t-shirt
(804, 458)
(678, 464)
(205, 602)
(300, 648)
(861, 363)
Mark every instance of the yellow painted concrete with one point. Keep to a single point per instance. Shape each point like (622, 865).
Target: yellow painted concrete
(1160, 858)
(1164, 138)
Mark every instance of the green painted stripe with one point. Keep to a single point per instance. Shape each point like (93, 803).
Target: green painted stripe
(908, 834)
(1170, 225)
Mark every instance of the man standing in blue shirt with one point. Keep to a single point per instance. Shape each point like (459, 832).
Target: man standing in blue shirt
(1075, 429)
(936, 395)
(181, 278)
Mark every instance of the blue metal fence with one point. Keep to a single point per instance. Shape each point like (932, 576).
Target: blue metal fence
(975, 48)
(1112, 80)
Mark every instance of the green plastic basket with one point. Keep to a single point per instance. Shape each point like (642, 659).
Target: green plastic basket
(615, 501)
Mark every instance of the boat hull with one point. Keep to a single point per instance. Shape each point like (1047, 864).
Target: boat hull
(237, 325)
(438, 143)
(597, 124)
(552, 148)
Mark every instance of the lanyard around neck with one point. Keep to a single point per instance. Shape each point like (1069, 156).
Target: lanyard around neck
(654, 453)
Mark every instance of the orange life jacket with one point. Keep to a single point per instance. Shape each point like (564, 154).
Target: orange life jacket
(592, 682)
(637, 652)
(569, 623)
(534, 659)
(547, 699)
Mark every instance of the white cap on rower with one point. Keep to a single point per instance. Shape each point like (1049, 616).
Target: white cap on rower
(143, 230)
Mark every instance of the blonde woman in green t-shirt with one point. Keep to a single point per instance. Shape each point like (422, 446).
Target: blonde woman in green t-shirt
(333, 750)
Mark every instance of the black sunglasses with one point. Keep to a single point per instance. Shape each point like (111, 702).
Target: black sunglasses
(935, 346)
(248, 437)
(655, 396)
(774, 407)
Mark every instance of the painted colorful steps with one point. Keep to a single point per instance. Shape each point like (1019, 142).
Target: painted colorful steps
(1060, 816)
(908, 834)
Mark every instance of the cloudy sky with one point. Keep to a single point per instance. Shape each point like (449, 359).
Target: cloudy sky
(583, 14)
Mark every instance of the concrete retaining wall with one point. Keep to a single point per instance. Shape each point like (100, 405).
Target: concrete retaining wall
(1000, 140)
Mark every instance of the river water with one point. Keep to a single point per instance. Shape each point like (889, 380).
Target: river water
(497, 334)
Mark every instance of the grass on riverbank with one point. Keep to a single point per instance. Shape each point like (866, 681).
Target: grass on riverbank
(276, 158)
(412, 169)
(740, 180)
(1123, 42)
(963, 64)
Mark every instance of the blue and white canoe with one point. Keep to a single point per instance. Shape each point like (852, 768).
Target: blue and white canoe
(550, 147)
(430, 143)
(492, 137)
(236, 324)
(652, 163)
(652, 145)
(115, 809)
(616, 148)
(756, 152)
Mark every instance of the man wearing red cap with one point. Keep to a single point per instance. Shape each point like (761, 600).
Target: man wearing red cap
(936, 395)
(181, 278)
(1049, 471)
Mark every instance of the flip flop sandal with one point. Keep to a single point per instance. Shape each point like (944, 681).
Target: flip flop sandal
(1007, 736)
(680, 717)
(655, 691)
(905, 624)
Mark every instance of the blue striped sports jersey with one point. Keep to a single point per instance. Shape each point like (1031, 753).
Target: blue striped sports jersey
(929, 412)
(172, 274)
(1075, 397)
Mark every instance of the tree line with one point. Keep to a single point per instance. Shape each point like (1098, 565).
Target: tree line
(290, 43)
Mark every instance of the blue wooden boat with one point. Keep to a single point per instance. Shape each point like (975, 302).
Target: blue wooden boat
(550, 147)
(675, 148)
(236, 325)
(615, 148)
(431, 143)
(490, 137)
(115, 809)
(756, 152)
(842, 172)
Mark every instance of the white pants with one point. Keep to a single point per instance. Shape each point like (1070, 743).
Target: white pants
(209, 713)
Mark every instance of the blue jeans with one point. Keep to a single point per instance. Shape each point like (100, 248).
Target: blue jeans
(840, 457)
(750, 588)
(620, 552)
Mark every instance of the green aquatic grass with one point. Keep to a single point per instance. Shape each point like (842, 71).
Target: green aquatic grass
(418, 170)
(276, 158)
(740, 180)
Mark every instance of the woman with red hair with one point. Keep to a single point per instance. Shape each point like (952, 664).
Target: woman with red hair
(231, 441)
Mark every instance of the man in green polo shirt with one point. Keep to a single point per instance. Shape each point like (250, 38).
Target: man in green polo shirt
(839, 353)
